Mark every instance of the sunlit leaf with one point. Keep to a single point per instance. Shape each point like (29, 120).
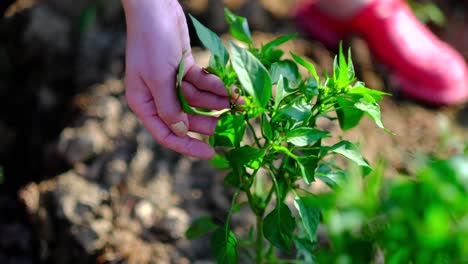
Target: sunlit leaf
(309, 213)
(309, 66)
(277, 42)
(229, 131)
(238, 26)
(286, 68)
(253, 76)
(372, 110)
(210, 40)
(220, 162)
(350, 151)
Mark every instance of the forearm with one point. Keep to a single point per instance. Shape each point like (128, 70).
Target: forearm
(132, 6)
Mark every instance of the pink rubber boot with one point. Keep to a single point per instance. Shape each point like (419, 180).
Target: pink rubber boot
(427, 69)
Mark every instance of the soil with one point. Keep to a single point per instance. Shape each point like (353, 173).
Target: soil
(85, 183)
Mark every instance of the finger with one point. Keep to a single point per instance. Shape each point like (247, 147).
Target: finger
(203, 99)
(184, 145)
(141, 102)
(204, 81)
(203, 124)
(163, 89)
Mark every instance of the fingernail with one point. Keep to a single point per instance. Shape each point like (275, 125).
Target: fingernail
(179, 129)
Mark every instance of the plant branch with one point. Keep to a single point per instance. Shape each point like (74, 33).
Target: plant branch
(257, 141)
(259, 258)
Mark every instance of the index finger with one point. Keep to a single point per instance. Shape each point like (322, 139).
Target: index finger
(204, 81)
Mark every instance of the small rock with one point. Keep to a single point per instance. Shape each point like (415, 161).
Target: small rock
(105, 212)
(80, 144)
(94, 236)
(78, 200)
(176, 221)
(145, 212)
(115, 172)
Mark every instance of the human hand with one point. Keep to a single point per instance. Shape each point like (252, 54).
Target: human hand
(157, 37)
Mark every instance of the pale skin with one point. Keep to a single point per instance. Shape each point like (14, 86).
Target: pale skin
(157, 38)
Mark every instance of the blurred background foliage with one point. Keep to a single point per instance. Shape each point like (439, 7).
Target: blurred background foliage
(419, 217)
(427, 12)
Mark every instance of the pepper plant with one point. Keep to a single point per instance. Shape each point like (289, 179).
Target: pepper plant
(286, 145)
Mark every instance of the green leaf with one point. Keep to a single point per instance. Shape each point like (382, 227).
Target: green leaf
(287, 69)
(342, 75)
(224, 246)
(280, 90)
(309, 162)
(266, 127)
(350, 151)
(216, 66)
(233, 178)
(279, 226)
(304, 136)
(372, 110)
(370, 95)
(210, 40)
(200, 227)
(348, 115)
(351, 73)
(229, 131)
(298, 109)
(246, 156)
(277, 42)
(220, 162)
(283, 189)
(271, 57)
(253, 76)
(309, 213)
(309, 88)
(309, 66)
(238, 27)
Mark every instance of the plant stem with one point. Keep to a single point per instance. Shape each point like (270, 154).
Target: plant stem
(257, 141)
(259, 258)
(270, 194)
(233, 202)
